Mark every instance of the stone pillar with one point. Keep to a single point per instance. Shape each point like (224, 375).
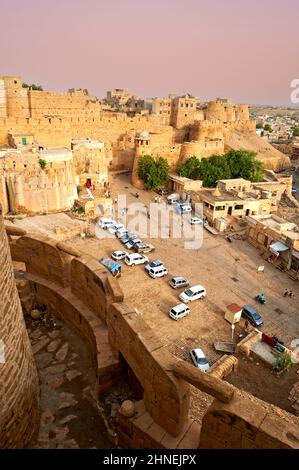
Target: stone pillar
(18, 375)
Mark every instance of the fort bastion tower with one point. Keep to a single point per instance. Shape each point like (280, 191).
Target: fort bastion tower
(18, 375)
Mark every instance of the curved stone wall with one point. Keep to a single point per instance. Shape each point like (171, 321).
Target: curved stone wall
(18, 376)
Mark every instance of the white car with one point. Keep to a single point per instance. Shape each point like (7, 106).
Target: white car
(199, 359)
(195, 221)
(153, 264)
(135, 258)
(193, 293)
(106, 223)
(158, 271)
(179, 311)
(121, 232)
(117, 255)
(113, 228)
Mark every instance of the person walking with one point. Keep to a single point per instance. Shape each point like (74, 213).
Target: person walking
(285, 293)
(246, 324)
(156, 199)
(290, 294)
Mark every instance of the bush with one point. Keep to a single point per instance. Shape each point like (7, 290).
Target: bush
(42, 163)
(296, 131)
(283, 361)
(153, 172)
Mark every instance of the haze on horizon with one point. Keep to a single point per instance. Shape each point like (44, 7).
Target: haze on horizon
(243, 50)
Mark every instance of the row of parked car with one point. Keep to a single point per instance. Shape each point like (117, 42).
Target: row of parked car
(156, 269)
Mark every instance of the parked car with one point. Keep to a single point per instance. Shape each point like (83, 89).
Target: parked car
(105, 223)
(117, 255)
(178, 282)
(158, 271)
(121, 232)
(252, 316)
(163, 191)
(195, 221)
(173, 198)
(144, 248)
(132, 242)
(184, 208)
(128, 236)
(135, 258)
(193, 293)
(113, 228)
(153, 264)
(199, 359)
(179, 311)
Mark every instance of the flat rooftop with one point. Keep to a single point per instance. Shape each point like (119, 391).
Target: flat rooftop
(277, 224)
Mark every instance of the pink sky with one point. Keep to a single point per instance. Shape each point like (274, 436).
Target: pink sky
(243, 50)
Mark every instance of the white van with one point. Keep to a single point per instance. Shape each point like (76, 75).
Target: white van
(158, 271)
(193, 293)
(179, 311)
(135, 258)
(173, 198)
(186, 209)
(106, 223)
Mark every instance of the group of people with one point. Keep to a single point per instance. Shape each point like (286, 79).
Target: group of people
(287, 293)
(157, 199)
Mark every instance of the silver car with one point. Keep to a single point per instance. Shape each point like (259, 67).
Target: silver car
(178, 281)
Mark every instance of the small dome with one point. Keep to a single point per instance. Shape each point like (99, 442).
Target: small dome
(216, 192)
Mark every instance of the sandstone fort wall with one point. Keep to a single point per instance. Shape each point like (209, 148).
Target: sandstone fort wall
(18, 375)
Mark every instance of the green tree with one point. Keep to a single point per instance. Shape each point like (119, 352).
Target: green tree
(296, 131)
(283, 361)
(243, 164)
(32, 86)
(42, 163)
(153, 172)
(268, 128)
(190, 168)
(234, 164)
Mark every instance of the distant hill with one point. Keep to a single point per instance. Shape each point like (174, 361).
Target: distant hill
(272, 158)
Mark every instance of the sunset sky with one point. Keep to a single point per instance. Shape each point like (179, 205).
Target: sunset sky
(247, 51)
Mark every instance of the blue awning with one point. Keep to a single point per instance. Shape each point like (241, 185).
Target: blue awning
(277, 247)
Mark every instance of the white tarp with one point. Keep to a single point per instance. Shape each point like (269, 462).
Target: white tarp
(277, 247)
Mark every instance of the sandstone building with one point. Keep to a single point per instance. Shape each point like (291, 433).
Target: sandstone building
(176, 126)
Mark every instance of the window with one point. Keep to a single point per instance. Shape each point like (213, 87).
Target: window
(239, 207)
(219, 208)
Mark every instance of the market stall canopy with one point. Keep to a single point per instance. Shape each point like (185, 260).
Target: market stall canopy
(277, 247)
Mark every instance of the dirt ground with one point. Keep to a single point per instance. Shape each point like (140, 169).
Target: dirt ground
(228, 271)
(256, 378)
